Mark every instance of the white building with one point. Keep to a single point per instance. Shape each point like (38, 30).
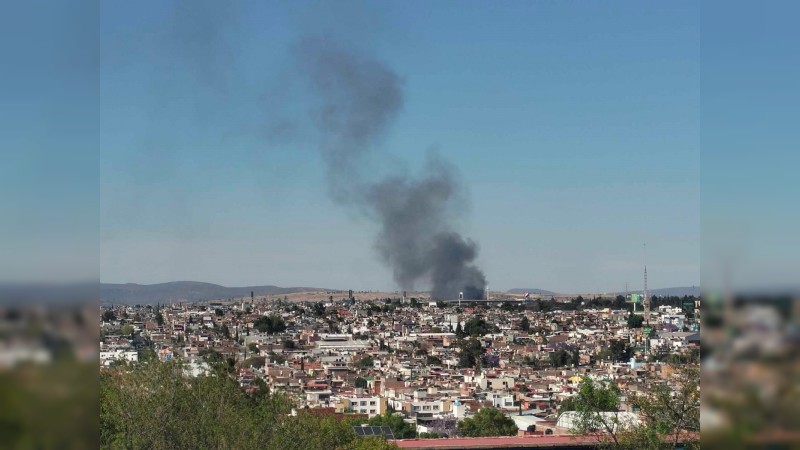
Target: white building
(365, 404)
(621, 420)
(109, 356)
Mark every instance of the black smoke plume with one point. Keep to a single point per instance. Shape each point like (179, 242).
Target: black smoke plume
(357, 98)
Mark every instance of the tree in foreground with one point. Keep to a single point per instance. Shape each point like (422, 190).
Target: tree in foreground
(670, 412)
(595, 411)
(371, 443)
(155, 406)
(488, 422)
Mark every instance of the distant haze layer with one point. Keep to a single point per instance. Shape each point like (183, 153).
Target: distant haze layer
(131, 293)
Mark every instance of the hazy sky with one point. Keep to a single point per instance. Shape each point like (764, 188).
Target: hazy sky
(575, 127)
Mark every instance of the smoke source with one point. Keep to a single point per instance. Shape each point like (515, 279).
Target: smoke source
(356, 99)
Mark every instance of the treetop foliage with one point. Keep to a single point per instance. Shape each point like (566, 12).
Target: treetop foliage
(477, 326)
(669, 417)
(488, 422)
(269, 324)
(154, 406)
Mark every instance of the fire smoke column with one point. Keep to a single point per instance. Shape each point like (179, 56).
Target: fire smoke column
(357, 97)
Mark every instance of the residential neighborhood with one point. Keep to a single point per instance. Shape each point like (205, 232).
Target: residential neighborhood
(432, 363)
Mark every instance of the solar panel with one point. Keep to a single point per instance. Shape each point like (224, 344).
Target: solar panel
(384, 431)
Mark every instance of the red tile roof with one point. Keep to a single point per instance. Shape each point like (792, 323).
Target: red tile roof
(500, 442)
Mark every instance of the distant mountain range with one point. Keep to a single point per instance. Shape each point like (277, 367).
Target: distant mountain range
(663, 292)
(176, 291)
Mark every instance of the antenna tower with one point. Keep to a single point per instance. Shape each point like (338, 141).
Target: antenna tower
(646, 299)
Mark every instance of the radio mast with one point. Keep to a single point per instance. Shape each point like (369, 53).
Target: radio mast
(646, 299)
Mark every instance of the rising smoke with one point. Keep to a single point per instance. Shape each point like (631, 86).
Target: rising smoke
(357, 98)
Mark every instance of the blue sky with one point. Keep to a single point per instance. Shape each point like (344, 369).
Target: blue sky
(575, 126)
(750, 104)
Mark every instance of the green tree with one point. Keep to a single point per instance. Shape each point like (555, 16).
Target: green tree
(459, 331)
(371, 443)
(508, 306)
(559, 358)
(635, 321)
(471, 353)
(575, 357)
(214, 359)
(366, 363)
(218, 312)
(270, 325)
(35, 394)
(360, 382)
(433, 361)
(525, 324)
(155, 406)
(430, 435)
(477, 326)
(670, 412)
(532, 362)
(276, 358)
(147, 354)
(617, 350)
(127, 330)
(255, 361)
(587, 408)
(488, 422)
(159, 318)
